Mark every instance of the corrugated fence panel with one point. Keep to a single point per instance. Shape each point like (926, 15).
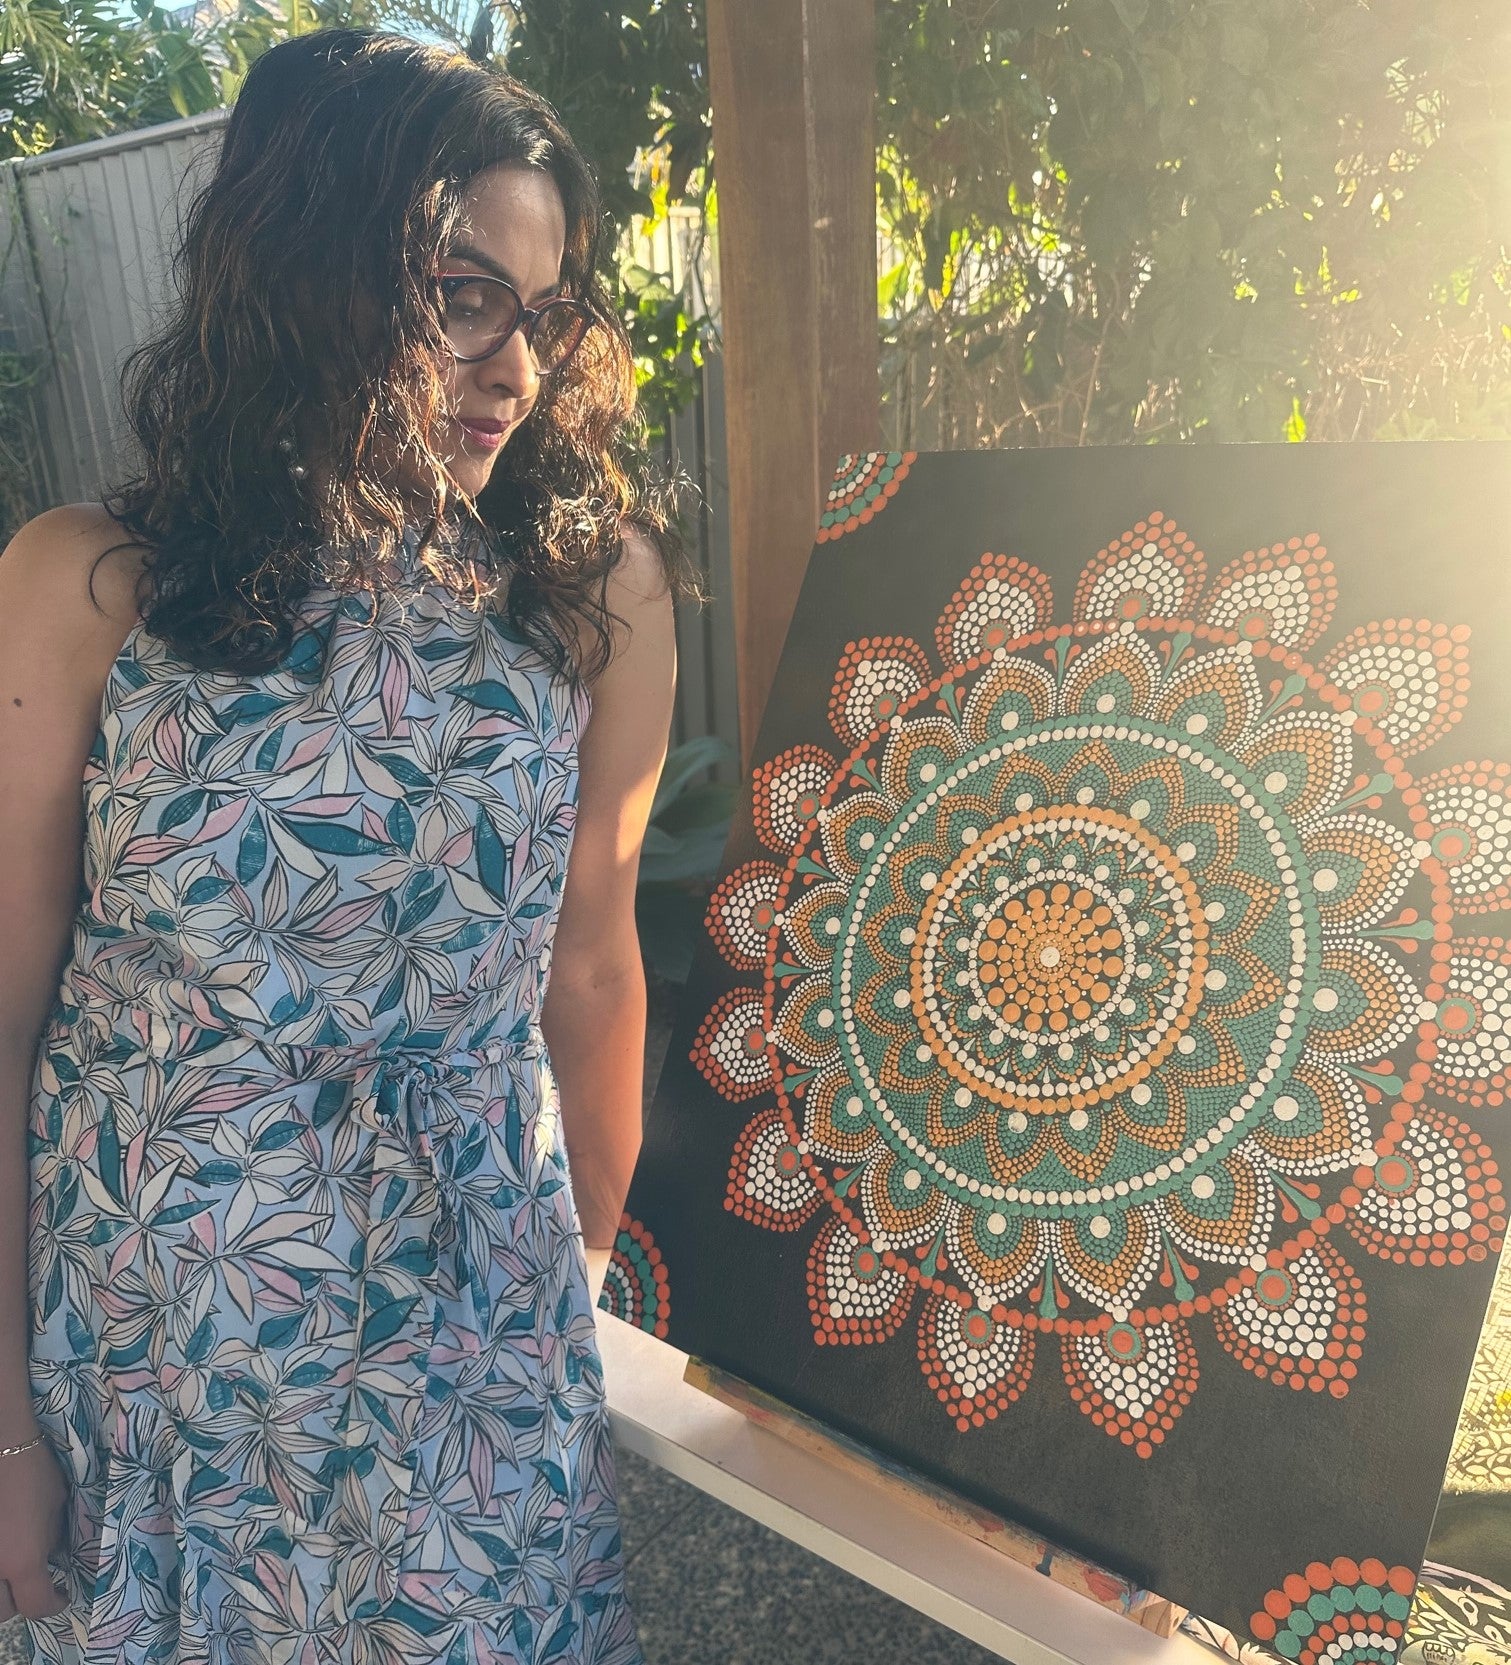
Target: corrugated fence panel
(23, 330)
(100, 220)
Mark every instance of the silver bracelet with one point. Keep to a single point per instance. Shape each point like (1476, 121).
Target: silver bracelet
(16, 1450)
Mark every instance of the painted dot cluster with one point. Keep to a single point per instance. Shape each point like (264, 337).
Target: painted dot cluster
(1342, 1612)
(1285, 593)
(1433, 1198)
(862, 487)
(1359, 868)
(977, 1365)
(768, 1183)
(853, 1295)
(1132, 1381)
(636, 1287)
(1469, 811)
(1301, 1323)
(877, 677)
(1474, 1035)
(1002, 600)
(789, 793)
(1163, 978)
(730, 1047)
(742, 913)
(1409, 680)
(1149, 572)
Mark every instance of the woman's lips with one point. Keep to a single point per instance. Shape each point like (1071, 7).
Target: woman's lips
(485, 435)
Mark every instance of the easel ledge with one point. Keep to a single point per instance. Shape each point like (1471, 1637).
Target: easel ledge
(858, 1525)
(1095, 1583)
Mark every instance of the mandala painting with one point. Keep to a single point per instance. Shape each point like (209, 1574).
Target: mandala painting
(1113, 1016)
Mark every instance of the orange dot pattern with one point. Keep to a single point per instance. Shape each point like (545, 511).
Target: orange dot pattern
(1434, 1198)
(1000, 601)
(769, 1183)
(977, 1364)
(1410, 680)
(1468, 814)
(877, 676)
(862, 487)
(1300, 1323)
(1283, 594)
(1360, 866)
(730, 1048)
(789, 793)
(1048, 957)
(1132, 1381)
(1337, 1118)
(1472, 1059)
(742, 913)
(1322, 743)
(635, 1287)
(854, 1296)
(1343, 1612)
(1152, 571)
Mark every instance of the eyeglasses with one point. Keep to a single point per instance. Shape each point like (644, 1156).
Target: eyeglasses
(479, 314)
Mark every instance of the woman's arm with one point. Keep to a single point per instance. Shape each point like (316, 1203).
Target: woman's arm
(56, 648)
(594, 1018)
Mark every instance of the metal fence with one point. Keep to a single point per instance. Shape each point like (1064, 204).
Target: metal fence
(86, 243)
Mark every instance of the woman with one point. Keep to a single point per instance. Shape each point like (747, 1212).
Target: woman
(309, 1341)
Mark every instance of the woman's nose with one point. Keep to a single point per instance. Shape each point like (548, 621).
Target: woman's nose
(512, 369)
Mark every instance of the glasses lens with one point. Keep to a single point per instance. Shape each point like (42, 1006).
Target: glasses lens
(478, 315)
(558, 333)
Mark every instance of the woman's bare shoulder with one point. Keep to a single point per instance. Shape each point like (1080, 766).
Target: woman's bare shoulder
(77, 559)
(68, 598)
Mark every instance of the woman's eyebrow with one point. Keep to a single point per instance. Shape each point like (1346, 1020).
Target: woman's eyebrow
(476, 257)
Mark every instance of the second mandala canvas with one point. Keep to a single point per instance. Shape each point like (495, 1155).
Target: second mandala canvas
(1092, 1080)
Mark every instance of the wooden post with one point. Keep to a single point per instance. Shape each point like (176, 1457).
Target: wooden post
(793, 89)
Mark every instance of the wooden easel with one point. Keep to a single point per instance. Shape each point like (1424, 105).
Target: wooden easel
(1106, 1589)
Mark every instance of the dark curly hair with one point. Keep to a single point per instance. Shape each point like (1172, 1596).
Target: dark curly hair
(307, 317)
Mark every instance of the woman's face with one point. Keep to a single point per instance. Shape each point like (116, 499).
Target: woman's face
(513, 227)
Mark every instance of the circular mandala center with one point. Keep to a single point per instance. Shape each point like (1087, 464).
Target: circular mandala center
(1047, 1002)
(1059, 958)
(1049, 956)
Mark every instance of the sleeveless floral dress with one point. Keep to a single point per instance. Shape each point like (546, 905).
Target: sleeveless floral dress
(313, 1337)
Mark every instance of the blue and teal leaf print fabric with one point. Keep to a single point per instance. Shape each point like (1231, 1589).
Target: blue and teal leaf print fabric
(313, 1338)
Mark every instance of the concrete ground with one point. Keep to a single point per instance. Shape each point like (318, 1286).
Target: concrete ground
(711, 1587)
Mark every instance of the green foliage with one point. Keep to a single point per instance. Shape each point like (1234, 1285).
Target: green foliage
(74, 70)
(680, 858)
(1118, 220)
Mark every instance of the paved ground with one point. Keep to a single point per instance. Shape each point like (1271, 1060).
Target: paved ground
(711, 1586)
